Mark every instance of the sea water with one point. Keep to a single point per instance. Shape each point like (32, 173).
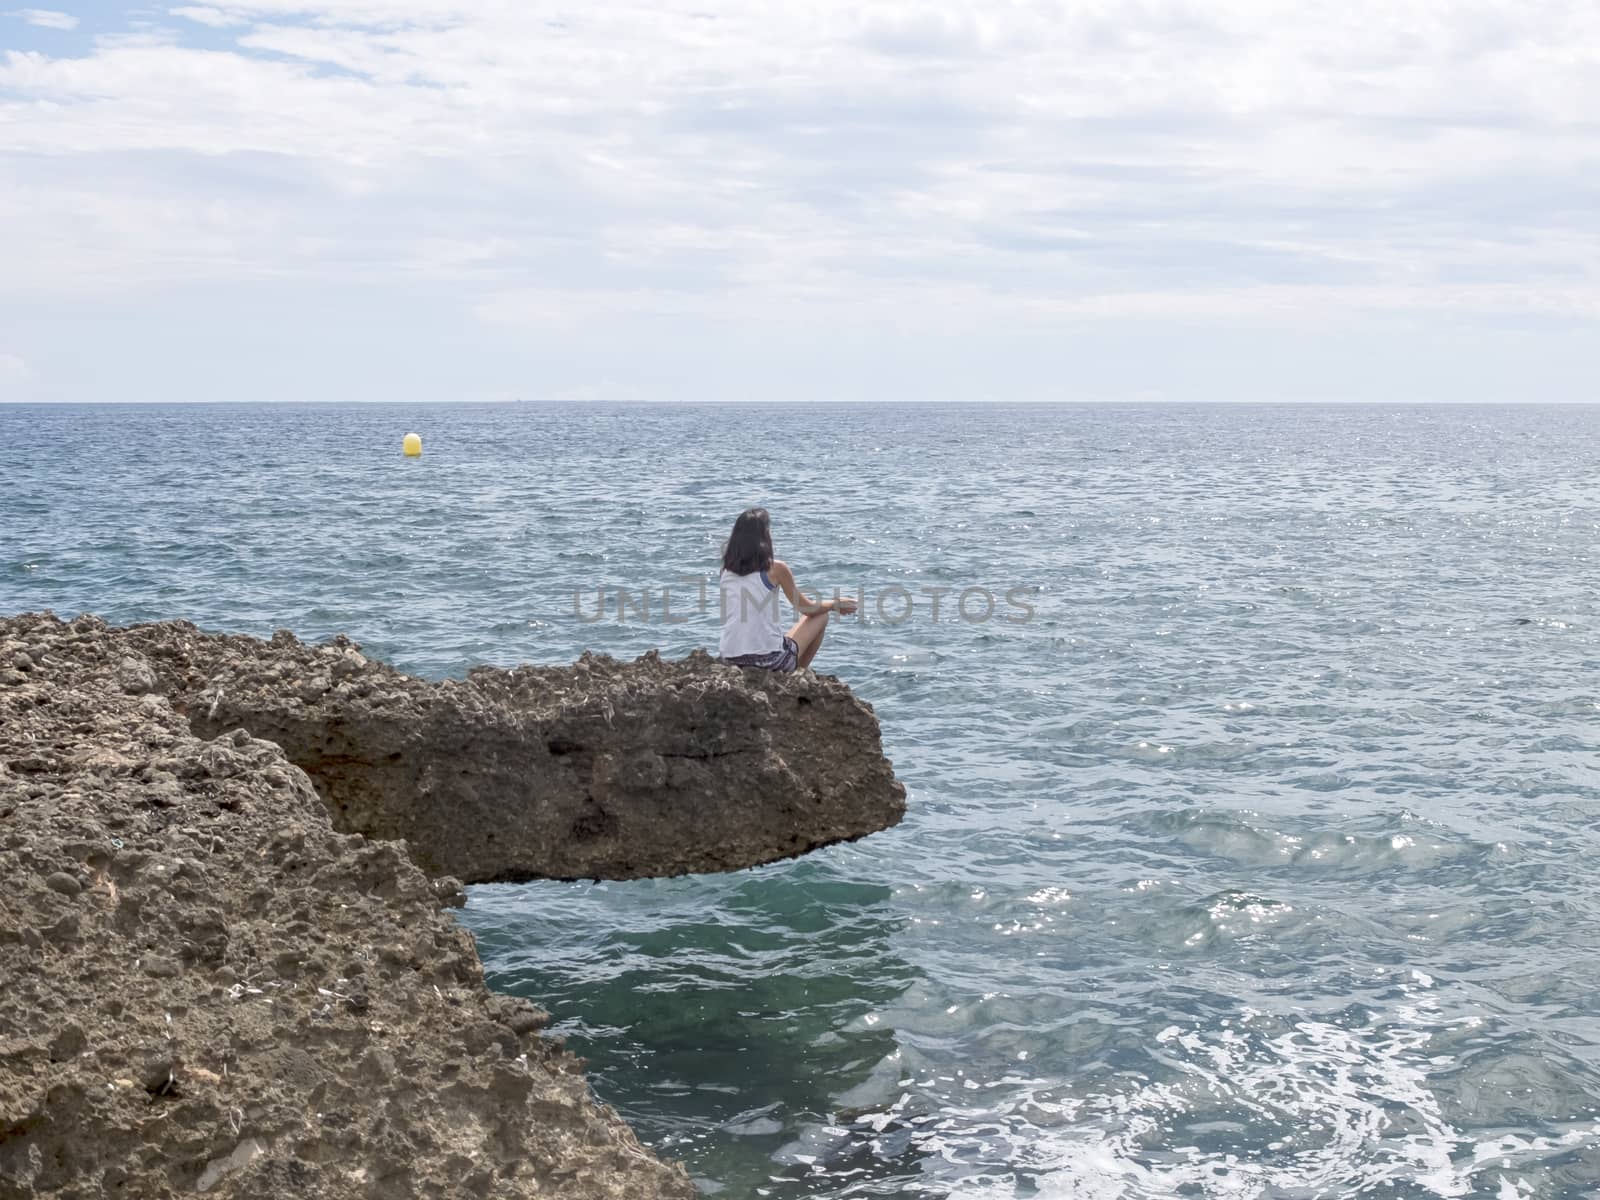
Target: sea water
(1251, 763)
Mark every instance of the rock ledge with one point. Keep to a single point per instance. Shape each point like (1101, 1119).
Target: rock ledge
(223, 977)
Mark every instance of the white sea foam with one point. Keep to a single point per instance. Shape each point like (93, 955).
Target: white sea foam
(1352, 1110)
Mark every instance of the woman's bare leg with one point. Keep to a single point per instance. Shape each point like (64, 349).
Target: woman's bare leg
(807, 634)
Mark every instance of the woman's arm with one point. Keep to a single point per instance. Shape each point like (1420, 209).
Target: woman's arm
(780, 574)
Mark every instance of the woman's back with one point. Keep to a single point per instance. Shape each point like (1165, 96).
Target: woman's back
(750, 614)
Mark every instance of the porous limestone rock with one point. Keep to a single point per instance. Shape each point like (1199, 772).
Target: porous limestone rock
(219, 977)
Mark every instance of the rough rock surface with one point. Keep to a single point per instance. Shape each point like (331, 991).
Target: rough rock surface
(598, 770)
(207, 988)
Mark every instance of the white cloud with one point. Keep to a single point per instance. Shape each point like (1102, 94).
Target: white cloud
(944, 162)
(46, 18)
(216, 18)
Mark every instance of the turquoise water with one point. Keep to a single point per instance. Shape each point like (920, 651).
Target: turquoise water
(1259, 862)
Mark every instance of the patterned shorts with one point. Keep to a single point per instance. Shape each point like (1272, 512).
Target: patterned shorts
(785, 659)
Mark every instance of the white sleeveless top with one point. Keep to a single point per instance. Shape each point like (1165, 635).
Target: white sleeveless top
(750, 615)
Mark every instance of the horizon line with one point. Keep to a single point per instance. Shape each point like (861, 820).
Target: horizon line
(636, 403)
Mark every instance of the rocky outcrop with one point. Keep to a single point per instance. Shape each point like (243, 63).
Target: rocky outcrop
(601, 770)
(221, 977)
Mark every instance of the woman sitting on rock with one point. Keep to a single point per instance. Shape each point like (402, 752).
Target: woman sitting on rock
(751, 580)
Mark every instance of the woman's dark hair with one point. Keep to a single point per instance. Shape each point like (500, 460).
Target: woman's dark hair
(749, 547)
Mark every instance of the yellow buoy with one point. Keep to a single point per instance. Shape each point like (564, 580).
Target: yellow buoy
(412, 446)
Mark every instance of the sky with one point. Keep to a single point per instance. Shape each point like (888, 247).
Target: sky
(798, 200)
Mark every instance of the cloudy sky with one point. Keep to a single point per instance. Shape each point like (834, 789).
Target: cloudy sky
(1375, 200)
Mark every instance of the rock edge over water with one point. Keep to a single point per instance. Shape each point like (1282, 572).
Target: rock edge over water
(218, 981)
